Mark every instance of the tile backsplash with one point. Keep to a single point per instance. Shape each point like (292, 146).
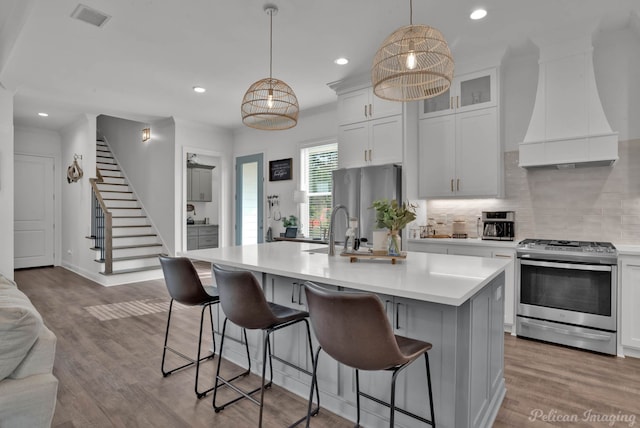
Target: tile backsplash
(589, 204)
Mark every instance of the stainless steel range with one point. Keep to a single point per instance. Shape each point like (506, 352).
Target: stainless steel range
(567, 293)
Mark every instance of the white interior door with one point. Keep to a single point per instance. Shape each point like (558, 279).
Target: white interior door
(33, 211)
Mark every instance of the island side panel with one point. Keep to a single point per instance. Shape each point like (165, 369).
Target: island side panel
(480, 380)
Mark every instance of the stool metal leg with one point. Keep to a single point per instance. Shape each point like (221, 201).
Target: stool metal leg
(392, 404)
(314, 363)
(314, 381)
(166, 337)
(212, 355)
(221, 382)
(192, 361)
(433, 416)
(358, 397)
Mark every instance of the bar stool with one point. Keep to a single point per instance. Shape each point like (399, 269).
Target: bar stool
(184, 286)
(245, 305)
(353, 328)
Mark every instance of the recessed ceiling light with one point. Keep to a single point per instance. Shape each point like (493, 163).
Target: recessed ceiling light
(478, 14)
(43, 114)
(341, 61)
(199, 89)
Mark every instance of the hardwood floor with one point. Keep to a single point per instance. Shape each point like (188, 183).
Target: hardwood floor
(109, 371)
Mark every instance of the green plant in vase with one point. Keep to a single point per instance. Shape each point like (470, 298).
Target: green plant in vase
(394, 217)
(291, 221)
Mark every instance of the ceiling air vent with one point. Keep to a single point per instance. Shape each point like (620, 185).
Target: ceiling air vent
(90, 15)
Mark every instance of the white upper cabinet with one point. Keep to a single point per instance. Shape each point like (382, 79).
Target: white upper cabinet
(459, 155)
(362, 105)
(374, 142)
(371, 130)
(459, 147)
(467, 92)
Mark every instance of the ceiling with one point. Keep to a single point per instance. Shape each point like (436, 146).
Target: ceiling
(143, 63)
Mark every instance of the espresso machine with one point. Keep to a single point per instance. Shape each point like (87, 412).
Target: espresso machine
(499, 225)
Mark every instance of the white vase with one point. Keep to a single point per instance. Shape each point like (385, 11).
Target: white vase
(380, 242)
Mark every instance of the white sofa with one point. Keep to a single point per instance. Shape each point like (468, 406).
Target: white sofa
(28, 388)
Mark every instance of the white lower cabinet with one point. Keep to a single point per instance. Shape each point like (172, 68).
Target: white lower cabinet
(291, 344)
(418, 320)
(481, 251)
(630, 301)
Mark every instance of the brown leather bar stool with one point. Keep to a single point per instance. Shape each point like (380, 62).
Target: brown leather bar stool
(244, 304)
(353, 328)
(184, 286)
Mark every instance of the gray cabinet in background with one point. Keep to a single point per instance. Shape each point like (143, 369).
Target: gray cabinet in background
(202, 236)
(199, 183)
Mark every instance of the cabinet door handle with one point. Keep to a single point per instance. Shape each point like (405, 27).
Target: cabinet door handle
(386, 305)
(450, 103)
(300, 287)
(398, 315)
(370, 110)
(458, 185)
(370, 157)
(365, 155)
(365, 110)
(502, 256)
(452, 185)
(293, 291)
(457, 101)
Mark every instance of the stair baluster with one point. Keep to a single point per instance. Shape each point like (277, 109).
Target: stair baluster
(101, 227)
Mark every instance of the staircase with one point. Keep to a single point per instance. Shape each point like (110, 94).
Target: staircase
(134, 244)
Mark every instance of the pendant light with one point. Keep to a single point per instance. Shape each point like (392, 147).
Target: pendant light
(270, 104)
(413, 63)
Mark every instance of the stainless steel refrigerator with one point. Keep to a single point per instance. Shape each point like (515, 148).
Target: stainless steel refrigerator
(357, 188)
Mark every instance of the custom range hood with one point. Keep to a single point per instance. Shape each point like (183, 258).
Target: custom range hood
(568, 127)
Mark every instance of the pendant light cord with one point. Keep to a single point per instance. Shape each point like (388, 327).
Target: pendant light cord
(410, 12)
(270, 43)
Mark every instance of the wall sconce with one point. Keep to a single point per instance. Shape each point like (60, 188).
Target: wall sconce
(146, 134)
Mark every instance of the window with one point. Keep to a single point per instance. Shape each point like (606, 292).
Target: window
(317, 164)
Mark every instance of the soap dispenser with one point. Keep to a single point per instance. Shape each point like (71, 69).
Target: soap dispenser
(351, 242)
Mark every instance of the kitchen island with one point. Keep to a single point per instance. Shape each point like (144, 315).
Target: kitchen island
(454, 302)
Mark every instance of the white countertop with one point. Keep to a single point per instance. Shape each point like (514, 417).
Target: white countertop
(438, 278)
(466, 241)
(628, 250)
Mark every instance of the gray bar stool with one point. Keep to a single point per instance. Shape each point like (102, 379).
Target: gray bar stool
(245, 305)
(353, 328)
(184, 286)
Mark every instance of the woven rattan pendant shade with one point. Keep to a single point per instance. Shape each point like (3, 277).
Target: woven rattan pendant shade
(428, 73)
(270, 104)
(256, 112)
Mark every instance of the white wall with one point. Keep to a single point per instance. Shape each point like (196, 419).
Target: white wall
(317, 124)
(42, 142)
(616, 60)
(6, 183)
(79, 138)
(209, 141)
(148, 167)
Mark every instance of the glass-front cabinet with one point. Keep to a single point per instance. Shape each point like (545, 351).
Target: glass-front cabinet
(467, 92)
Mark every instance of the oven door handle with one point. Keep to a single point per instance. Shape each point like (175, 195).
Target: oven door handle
(574, 266)
(582, 335)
